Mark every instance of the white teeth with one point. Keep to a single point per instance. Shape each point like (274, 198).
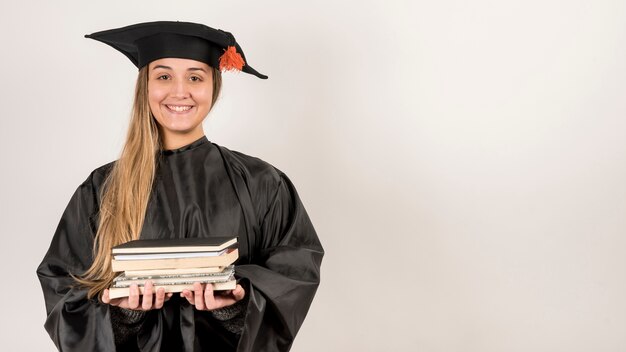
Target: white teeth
(179, 108)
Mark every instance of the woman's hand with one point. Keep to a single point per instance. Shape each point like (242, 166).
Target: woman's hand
(135, 301)
(207, 299)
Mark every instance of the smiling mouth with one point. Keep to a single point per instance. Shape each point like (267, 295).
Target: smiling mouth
(179, 108)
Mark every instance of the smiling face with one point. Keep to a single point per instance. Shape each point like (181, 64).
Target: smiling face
(180, 94)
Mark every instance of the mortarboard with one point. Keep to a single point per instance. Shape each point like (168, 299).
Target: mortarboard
(143, 43)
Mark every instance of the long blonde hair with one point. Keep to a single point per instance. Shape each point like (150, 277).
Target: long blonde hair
(127, 188)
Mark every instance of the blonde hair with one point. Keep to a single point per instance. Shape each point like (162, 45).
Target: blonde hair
(126, 190)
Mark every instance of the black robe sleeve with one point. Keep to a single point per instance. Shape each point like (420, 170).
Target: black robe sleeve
(284, 271)
(286, 276)
(73, 322)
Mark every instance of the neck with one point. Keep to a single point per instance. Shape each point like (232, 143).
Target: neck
(177, 140)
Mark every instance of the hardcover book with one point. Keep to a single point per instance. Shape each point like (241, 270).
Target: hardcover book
(176, 245)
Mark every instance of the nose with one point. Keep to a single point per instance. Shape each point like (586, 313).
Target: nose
(180, 89)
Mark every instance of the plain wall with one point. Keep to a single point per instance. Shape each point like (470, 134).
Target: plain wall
(464, 162)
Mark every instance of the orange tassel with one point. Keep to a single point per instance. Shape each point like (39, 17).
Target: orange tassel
(231, 60)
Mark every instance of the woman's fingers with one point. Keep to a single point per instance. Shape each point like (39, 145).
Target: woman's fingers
(209, 299)
(198, 297)
(189, 296)
(133, 298)
(203, 298)
(137, 301)
(223, 299)
(117, 302)
(105, 296)
(238, 293)
(159, 298)
(146, 300)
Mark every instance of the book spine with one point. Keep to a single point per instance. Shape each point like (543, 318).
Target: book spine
(174, 282)
(181, 263)
(169, 246)
(160, 275)
(156, 272)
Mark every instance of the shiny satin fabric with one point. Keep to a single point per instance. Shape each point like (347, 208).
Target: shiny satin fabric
(200, 190)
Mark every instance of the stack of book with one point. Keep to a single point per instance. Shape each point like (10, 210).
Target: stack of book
(174, 264)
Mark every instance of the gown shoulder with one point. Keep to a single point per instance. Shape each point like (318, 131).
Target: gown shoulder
(262, 179)
(250, 166)
(98, 175)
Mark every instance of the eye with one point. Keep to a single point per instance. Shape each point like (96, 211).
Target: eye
(163, 77)
(195, 79)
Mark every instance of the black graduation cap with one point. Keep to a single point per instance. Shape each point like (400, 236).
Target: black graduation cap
(146, 42)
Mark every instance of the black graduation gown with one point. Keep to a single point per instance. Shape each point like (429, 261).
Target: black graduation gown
(201, 189)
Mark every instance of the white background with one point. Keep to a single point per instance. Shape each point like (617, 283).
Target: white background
(464, 162)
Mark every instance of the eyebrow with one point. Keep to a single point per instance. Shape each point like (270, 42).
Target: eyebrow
(189, 69)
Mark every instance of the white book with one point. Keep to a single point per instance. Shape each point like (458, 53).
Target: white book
(168, 255)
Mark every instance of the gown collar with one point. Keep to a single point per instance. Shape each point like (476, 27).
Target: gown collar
(202, 140)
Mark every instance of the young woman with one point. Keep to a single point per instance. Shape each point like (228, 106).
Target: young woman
(171, 182)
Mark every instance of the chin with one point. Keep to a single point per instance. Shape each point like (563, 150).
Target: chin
(179, 126)
(180, 130)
